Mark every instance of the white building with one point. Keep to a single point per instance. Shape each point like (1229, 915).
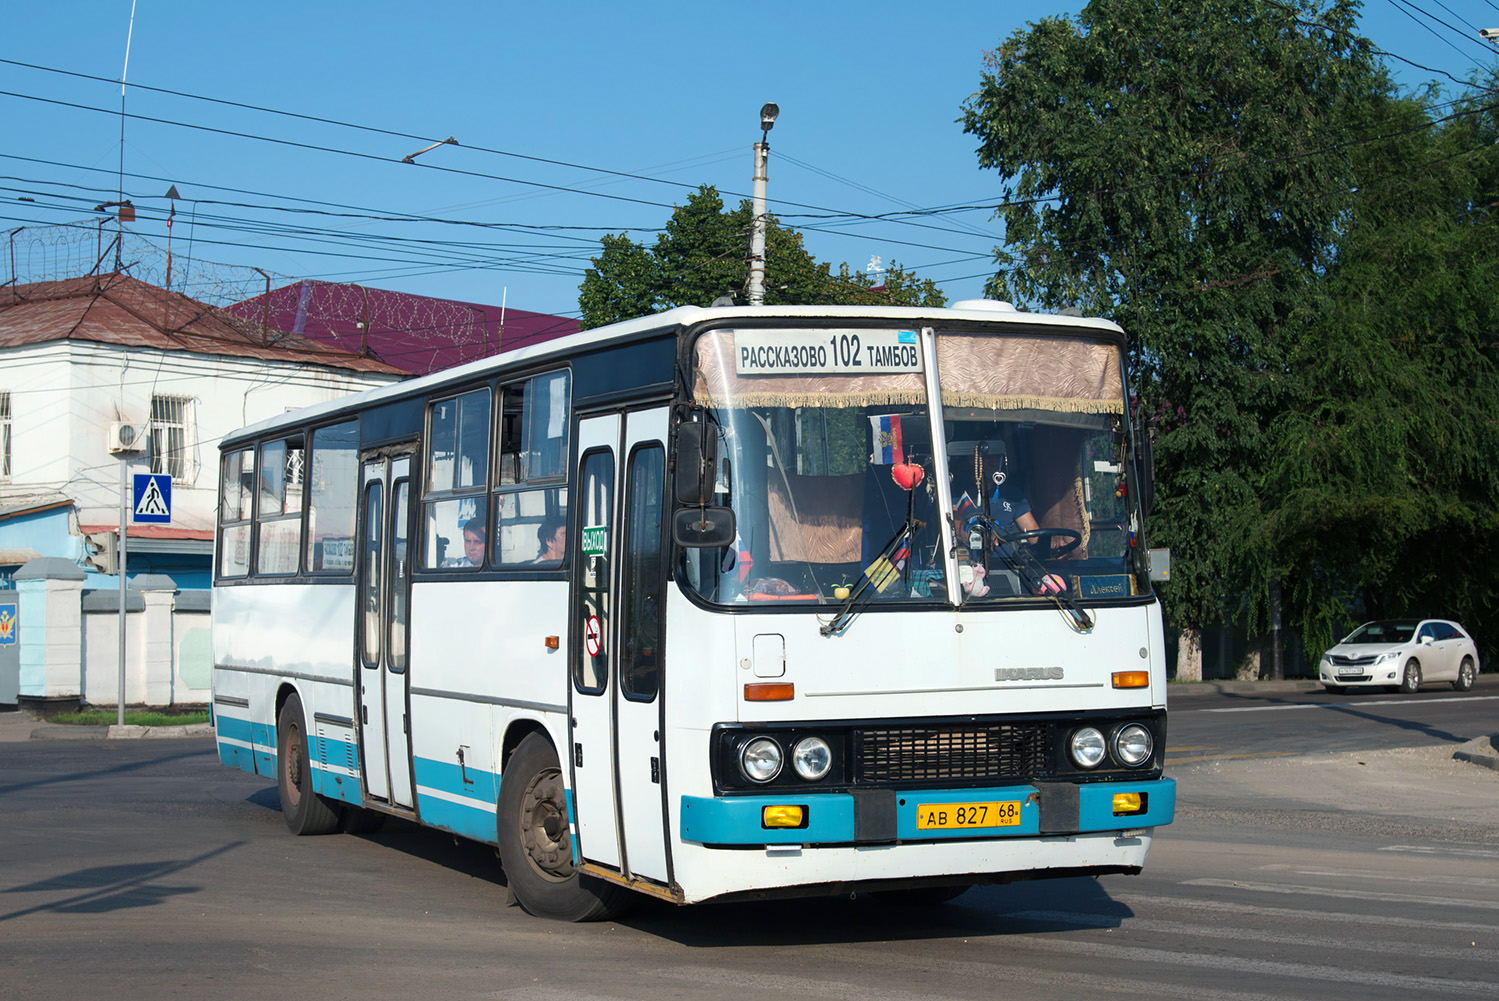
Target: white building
(79, 355)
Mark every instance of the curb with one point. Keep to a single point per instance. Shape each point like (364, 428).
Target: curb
(1482, 751)
(117, 732)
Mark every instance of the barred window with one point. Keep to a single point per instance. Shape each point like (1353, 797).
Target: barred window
(4, 435)
(172, 445)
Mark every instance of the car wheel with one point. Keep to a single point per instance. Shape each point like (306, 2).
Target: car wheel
(1411, 680)
(536, 846)
(306, 812)
(1335, 689)
(1466, 675)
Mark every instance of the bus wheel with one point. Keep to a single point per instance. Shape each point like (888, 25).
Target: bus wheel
(925, 896)
(536, 846)
(306, 812)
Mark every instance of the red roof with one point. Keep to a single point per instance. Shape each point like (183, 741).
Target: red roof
(117, 309)
(415, 333)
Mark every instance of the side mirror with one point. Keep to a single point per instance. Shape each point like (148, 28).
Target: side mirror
(703, 527)
(697, 460)
(1145, 461)
(1426, 641)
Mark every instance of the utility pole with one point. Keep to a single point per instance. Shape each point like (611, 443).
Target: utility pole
(768, 115)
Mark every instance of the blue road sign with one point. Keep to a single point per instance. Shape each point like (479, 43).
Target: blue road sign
(153, 499)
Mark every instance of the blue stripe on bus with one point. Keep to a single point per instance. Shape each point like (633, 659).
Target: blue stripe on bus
(228, 727)
(830, 816)
(471, 821)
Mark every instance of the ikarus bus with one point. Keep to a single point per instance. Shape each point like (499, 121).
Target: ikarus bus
(714, 604)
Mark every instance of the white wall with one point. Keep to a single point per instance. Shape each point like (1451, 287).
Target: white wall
(65, 394)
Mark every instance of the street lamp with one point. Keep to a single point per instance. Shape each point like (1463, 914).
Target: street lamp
(768, 115)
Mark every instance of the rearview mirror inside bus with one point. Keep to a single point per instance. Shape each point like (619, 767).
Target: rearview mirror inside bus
(697, 460)
(703, 527)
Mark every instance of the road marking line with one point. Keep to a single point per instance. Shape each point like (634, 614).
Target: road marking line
(1442, 850)
(1323, 891)
(1298, 915)
(1345, 705)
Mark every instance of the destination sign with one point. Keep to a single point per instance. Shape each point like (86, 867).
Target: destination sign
(826, 352)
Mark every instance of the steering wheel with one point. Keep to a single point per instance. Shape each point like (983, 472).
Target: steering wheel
(1074, 539)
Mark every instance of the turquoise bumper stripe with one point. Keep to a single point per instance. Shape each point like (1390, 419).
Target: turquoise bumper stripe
(830, 816)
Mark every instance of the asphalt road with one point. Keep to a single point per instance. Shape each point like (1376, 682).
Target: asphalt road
(144, 868)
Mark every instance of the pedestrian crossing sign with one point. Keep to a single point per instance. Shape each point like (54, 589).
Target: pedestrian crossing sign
(153, 499)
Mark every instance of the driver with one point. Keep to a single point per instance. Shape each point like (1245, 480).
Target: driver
(1011, 514)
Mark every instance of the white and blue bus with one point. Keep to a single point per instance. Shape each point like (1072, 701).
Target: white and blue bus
(714, 604)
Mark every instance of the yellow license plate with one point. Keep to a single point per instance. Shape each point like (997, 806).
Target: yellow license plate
(962, 816)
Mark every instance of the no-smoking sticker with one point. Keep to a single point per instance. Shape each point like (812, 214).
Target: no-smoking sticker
(593, 635)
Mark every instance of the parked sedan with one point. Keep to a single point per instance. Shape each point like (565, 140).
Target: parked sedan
(1402, 654)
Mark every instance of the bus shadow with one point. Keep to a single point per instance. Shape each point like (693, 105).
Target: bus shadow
(1027, 908)
(109, 888)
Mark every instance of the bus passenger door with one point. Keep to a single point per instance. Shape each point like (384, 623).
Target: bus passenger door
(639, 760)
(593, 547)
(384, 598)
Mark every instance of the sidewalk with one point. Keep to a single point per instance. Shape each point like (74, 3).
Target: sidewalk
(18, 725)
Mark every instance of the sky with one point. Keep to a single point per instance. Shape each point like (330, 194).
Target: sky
(294, 166)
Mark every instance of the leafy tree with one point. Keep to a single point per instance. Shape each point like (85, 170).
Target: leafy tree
(1181, 171)
(703, 254)
(1382, 497)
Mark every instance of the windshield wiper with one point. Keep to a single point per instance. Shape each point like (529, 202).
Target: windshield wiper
(1031, 571)
(883, 568)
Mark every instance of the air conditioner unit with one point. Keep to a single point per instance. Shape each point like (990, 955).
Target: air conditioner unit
(126, 438)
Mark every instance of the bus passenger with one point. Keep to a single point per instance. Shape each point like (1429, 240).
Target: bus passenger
(474, 535)
(551, 534)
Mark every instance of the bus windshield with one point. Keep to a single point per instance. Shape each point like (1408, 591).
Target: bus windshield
(815, 457)
(827, 457)
(1040, 469)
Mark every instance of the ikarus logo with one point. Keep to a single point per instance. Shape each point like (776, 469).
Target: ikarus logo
(1027, 674)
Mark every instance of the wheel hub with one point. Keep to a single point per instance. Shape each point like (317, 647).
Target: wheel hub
(544, 830)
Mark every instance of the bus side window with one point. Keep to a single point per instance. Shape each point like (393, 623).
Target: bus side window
(530, 499)
(278, 506)
(332, 491)
(457, 483)
(236, 500)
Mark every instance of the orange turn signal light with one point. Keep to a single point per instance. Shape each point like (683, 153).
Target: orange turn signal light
(779, 691)
(1131, 679)
(553, 642)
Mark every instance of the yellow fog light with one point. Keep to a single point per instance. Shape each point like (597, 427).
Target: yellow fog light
(783, 816)
(1128, 802)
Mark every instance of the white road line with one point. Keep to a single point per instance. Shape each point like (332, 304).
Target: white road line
(1323, 891)
(1402, 877)
(1298, 915)
(1443, 850)
(1402, 945)
(1344, 705)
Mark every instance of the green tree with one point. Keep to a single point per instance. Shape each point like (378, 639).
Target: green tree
(703, 254)
(1178, 170)
(1383, 494)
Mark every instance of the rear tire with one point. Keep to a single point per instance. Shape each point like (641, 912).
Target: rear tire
(305, 811)
(1467, 673)
(925, 896)
(536, 846)
(1410, 681)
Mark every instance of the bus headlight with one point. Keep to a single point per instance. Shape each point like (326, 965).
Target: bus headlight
(1133, 745)
(1087, 747)
(812, 757)
(760, 759)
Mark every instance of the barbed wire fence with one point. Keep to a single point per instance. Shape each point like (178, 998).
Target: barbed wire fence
(412, 332)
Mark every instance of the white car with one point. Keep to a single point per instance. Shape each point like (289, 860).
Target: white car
(1403, 654)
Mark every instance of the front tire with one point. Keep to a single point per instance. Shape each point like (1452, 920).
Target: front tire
(1410, 681)
(305, 811)
(536, 846)
(1466, 675)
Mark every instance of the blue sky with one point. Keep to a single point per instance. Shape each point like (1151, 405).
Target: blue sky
(869, 94)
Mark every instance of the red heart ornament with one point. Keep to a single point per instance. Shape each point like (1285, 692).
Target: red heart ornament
(906, 474)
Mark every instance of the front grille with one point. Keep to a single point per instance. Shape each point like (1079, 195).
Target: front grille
(1342, 661)
(945, 753)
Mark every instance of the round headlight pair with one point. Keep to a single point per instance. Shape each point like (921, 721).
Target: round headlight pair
(1133, 746)
(760, 760)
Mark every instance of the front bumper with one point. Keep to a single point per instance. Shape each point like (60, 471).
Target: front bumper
(884, 817)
